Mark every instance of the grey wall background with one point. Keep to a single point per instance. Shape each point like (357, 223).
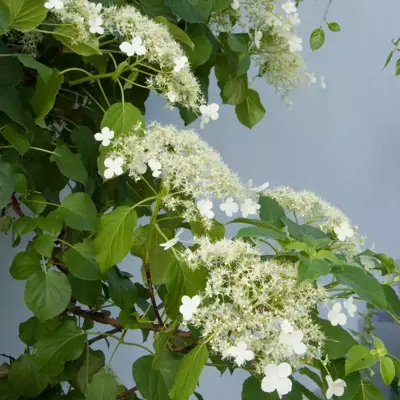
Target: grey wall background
(342, 142)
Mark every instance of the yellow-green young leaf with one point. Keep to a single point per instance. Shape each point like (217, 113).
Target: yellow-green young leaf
(115, 237)
(387, 369)
(358, 358)
(189, 373)
(70, 164)
(79, 212)
(334, 26)
(176, 32)
(63, 344)
(102, 387)
(6, 183)
(47, 294)
(312, 269)
(122, 117)
(25, 264)
(150, 381)
(17, 138)
(25, 377)
(80, 259)
(317, 39)
(5, 223)
(45, 93)
(378, 344)
(250, 111)
(68, 35)
(368, 391)
(180, 280)
(35, 202)
(44, 245)
(23, 15)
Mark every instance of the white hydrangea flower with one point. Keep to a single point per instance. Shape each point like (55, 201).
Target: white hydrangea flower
(96, 25)
(180, 63)
(205, 208)
(294, 19)
(335, 388)
(323, 83)
(257, 189)
(208, 112)
(277, 378)
(343, 231)
(257, 39)
(114, 167)
(350, 306)
(289, 7)
(189, 306)
(292, 339)
(241, 353)
(312, 79)
(96, 8)
(172, 96)
(155, 166)
(249, 207)
(235, 4)
(104, 136)
(134, 47)
(172, 242)
(54, 4)
(295, 44)
(229, 207)
(335, 316)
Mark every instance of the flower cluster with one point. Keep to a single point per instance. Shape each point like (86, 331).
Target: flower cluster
(313, 210)
(337, 317)
(254, 310)
(140, 36)
(275, 45)
(191, 171)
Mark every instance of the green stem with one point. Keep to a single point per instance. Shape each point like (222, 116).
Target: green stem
(90, 78)
(120, 341)
(65, 71)
(43, 202)
(42, 150)
(144, 201)
(103, 93)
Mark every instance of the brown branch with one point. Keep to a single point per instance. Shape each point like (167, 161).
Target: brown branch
(104, 335)
(16, 206)
(102, 318)
(127, 393)
(151, 291)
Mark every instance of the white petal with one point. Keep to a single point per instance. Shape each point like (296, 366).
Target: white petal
(300, 348)
(284, 386)
(118, 171)
(271, 370)
(109, 162)
(105, 142)
(108, 173)
(248, 355)
(329, 393)
(342, 319)
(297, 336)
(196, 300)
(119, 162)
(98, 137)
(329, 380)
(337, 307)
(284, 370)
(268, 384)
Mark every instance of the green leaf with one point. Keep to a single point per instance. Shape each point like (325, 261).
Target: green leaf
(387, 369)
(45, 93)
(29, 62)
(5, 223)
(368, 391)
(155, 8)
(24, 15)
(180, 280)
(80, 259)
(312, 269)
(392, 301)
(25, 264)
(78, 211)
(317, 39)
(70, 164)
(189, 373)
(94, 362)
(64, 344)
(68, 35)
(87, 147)
(44, 245)
(25, 377)
(261, 232)
(237, 42)
(28, 331)
(11, 73)
(122, 290)
(103, 386)
(334, 26)
(50, 223)
(378, 344)
(6, 183)
(271, 212)
(220, 5)
(22, 226)
(86, 292)
(121, 118)
(365, 285)
(47, 294)
(191, 10)
(217, 231)
(359, 358)
(175, 31)
(17, 138)
(389, 58)
(115, 237)
(235, 90)
(21, 183)
(250, 111)
(337, 340)
(150, 381)
(388, 265)
(252, 390)
(202, 46)
(35, 202)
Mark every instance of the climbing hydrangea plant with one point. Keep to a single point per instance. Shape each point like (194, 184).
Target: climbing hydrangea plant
(86, 183)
